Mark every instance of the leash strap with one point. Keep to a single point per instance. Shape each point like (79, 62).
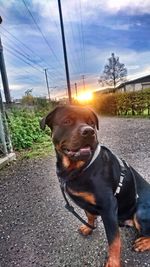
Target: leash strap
(71, 209)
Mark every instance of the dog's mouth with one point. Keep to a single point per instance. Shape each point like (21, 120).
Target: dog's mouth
(82, 153)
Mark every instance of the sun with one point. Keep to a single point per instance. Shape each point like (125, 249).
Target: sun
(85, 97)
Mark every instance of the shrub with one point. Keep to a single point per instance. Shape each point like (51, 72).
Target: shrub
(28, 100)
(24, 128)
(128, 103)
(106, 104)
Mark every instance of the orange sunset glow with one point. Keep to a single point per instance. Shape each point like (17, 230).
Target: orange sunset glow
(85, 97)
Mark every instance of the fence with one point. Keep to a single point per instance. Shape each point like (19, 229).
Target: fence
(5, 141)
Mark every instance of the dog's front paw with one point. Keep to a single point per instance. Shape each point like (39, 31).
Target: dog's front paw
(85, 230)
(142, 244)
(112, 262)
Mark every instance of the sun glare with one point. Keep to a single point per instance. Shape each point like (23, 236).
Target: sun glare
(85, 97)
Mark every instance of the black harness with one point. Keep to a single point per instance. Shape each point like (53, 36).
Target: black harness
(70, 208)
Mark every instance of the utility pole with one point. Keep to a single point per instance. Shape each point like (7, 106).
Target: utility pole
(4, 74)
(49, 97)
(83, 78)
(76, 90)
(65, 51)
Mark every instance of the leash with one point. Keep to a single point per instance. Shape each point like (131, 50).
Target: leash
(71, 208)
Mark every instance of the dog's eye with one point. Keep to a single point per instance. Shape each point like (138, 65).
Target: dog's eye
(91, 123)
(67, 121)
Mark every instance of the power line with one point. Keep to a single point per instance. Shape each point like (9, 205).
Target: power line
(11, 52)
(27, 58)
(18, 57)
(14, 52)
(39, 29)
(21, 43)
(22, 74)
(24, 55)
(29, 49)
(75, 63)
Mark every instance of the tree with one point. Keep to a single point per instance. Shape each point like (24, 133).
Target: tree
(28, 92)
(28, 98)
(114, 72)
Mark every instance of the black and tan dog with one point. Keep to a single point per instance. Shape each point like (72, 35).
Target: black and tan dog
(97, 180)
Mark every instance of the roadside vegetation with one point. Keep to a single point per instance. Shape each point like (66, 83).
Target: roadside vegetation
(28, 139)
(124, 104)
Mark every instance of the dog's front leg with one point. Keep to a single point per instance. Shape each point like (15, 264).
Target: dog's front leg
(110, 221)
(114, 253)
(85, 230)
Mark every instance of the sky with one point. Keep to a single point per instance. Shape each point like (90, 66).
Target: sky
(31, 38)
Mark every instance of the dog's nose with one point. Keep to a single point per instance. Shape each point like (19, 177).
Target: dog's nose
(87, 131)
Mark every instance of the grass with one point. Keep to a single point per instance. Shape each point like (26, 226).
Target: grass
(38, 150)
(28, 140)
(129, 115)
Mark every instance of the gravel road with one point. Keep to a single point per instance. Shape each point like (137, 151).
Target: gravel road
(37, 231)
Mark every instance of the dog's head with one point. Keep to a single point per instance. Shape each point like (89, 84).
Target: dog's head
(74, 133)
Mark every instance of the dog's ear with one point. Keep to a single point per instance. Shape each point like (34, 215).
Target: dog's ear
(42, 123)
(96, 119)
(48, 120)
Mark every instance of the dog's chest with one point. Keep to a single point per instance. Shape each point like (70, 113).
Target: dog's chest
(83, 195)
(85, 200)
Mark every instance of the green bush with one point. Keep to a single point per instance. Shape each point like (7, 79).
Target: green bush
(133, 103)
(24, 128)
(128, 103)
(106, 104)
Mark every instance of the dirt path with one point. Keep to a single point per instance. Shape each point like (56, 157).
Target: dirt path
(37, 231)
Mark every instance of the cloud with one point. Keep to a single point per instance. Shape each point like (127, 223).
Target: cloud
(122, 27)
(132, 6)
(133, 67)
(90, 9)
(108, 26)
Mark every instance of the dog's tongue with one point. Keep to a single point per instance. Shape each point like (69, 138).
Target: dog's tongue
(85, 151)
(82, 152)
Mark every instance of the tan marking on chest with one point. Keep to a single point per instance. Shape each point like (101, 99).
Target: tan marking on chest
(65, 161)
(68, 164)
(89, 197)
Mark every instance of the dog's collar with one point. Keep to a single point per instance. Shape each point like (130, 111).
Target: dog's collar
(95, 155)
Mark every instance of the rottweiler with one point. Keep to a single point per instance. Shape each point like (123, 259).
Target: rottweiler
(97, 180)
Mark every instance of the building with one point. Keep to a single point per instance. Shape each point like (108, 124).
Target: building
(134, 85)
(128, 86)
